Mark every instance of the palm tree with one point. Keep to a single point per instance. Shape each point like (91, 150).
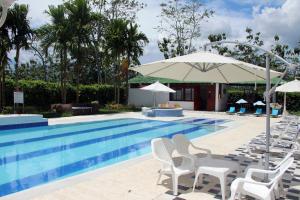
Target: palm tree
(21, 31)
(135, 41)
(80, 18)
(116, 45)
(56, 35)
(5, 47)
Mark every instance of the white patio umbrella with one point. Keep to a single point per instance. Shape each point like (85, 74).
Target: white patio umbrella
(204, 67)
(241, 101)
(156, 88)
(293, 86)
(259, 103)
(210, 68)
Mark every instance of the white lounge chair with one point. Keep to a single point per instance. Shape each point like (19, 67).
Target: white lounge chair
(162, 150)
(206, 165)
(260, 190)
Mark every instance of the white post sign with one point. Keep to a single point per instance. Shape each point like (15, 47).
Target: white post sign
(19, 97)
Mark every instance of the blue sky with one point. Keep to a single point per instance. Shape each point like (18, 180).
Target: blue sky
(270, 17)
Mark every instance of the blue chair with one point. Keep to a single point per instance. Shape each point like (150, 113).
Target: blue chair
(231, 110)
(242, 111)
(258, 112)
(275, 112)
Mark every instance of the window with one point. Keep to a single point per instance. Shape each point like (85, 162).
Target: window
(182, 94)
(189, 94)
(178, 96)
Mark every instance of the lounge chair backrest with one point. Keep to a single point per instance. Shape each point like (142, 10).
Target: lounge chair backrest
(289, 155)
(285, 165)
(243, 110)
(258, 110)
(162, 148)
(181, 143)
(232, 109)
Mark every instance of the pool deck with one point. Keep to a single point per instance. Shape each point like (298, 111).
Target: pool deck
(136, 179)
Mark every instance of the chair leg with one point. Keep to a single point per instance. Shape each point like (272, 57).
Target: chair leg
(175, 184)
(223, 186)
(198, 179)
(159, 177)
(234, 194)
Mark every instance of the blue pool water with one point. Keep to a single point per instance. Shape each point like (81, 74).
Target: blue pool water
(35, 156)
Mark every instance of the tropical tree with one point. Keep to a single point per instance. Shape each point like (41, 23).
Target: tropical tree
(180, 23)
(134, 48)
(55, 37)
(119, 9)
(80, 18)
(21, 32)
(5, 47)
(116, 46)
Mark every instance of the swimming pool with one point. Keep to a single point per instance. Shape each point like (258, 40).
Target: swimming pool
(35, 156)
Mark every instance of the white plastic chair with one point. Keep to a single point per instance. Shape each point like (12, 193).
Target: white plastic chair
(183, 144)
(162, 150)
(260, 166)
(260, 190)
(206, 165)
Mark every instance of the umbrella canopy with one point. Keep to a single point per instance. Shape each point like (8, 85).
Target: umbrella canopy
(241, 101)
(158, 87)
(293, 86)
(205, 67)
(259, 103)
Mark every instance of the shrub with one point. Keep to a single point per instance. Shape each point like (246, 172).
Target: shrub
(42, 94)
(293, 99)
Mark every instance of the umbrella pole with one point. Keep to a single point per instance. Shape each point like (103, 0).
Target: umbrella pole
(284, 106)
(268, 119)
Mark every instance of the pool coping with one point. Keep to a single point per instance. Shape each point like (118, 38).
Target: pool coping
(75, 179)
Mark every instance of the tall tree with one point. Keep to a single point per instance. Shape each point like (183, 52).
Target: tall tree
(241, 52)
(135, 42)
(5, 47)
(21, 32)
(116, 46)
(80, 19)
(119, 9)
(286, 52)
(55, 36)
(180, 23)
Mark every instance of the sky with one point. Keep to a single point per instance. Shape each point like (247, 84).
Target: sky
(270, 17)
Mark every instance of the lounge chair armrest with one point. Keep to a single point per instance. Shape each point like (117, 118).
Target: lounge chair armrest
(247, 180)
(208, 151)
(260, 171)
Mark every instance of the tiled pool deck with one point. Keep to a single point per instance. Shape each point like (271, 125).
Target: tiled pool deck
(135, 179)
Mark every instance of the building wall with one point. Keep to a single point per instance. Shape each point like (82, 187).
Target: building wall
(142, 98)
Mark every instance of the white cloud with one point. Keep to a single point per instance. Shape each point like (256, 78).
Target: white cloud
(37, 10)
(283, 21)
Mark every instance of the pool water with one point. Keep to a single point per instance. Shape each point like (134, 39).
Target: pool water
(35, 156)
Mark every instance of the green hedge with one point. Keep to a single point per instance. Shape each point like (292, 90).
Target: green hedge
(293, 99)
(43, 94)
